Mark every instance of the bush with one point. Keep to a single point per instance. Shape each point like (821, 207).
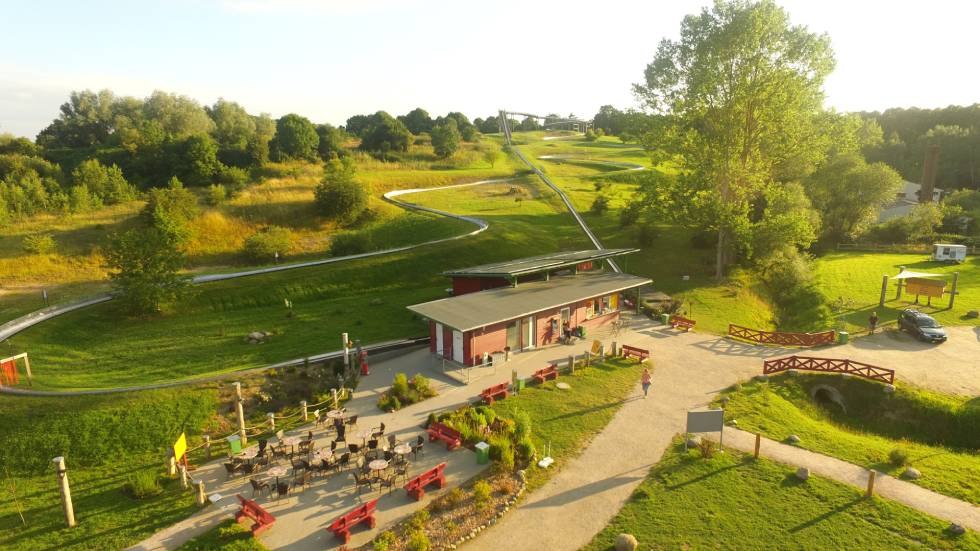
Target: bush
(350, 243)
(526, 449)
(233, 179)
(143, 485)
(431, 419)
(599, 205)
(898, 457)
(399, 387)
(217, 194)
(630, 214)
(421, 385)
(418, 541)
(384, 541)
(39, 243)
(707, 448)
(455, 497)
(646, 233)
(591, 136)
(481, 494)
(522, 426)
(419, 519)
(508, 486)
(340, 195)
(263, 245)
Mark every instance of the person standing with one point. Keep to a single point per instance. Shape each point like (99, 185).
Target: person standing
(645, 381)
(873, 322)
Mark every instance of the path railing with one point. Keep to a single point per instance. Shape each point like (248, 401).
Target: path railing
(829, 365)
(781, 338)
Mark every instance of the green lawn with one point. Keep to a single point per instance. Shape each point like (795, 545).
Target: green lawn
(734, 502)
(205, 333)
(569, 419)
(938, 432)
(227, 536)
(856, 276)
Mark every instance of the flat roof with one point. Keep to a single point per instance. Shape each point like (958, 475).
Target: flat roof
(535, 264)
(483, 308)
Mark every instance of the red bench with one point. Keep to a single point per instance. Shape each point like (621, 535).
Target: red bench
(634, 352)
(251, 509)
(416, 486)
(452, 438)
(550, 372)
(364, 513)
(496, 392)
(680, 321)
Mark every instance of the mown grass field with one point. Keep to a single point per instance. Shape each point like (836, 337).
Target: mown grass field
(569, 419)
(734, 502)
(938, 432)
(205, 333)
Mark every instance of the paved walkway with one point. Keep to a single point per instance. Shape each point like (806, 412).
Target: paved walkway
(907, 493)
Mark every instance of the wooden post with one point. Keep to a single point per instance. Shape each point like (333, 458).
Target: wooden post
(758, 444)
(952, 297)
(602, 353)
(871, 483)
(272, 421)
(66, 506)
(884, 289)
(571, 364)
(241, 412)
(588, 358)
(183, 476)
(343, 337)
(202, 498)
(898, 286)
(336, 404)
(171, 463)
(614, 349)
(207, 447)
(306, 416)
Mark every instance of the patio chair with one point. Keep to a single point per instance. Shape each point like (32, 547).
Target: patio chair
(279, 452)
(250, 468)
(361, 481)
(353, 448)
(379, 432)
(263, 444)
(231, 469)
(392, 441)
(352, 420)
(326, 465)
(371, 455)
(301, 480)
(388, 481)
(282, 490)
(418, 447)
(259, 485)
(317, 420)
(298, 465)
(344, 461)
(372, 444)
(304, 446)
(401, 469)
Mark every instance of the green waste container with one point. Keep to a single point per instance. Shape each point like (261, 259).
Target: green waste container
(235, 443)
(842, 337)
(520, 384)
(482, 453)
(665, 318)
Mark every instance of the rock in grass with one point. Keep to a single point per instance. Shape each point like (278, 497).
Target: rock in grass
(792, 372)
(793, 439)
(911, 473)
(626, 542)
(803, 473)
(956, 529)
(762, 378)
(693, 441)
(889, 389)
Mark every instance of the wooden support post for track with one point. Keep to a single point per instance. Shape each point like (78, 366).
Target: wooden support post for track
(758, 444)
(306, 416)
(871, 483)
(66, 505)
(240, 410)
(272, 421)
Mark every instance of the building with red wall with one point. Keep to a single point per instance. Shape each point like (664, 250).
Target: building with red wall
(523, 304)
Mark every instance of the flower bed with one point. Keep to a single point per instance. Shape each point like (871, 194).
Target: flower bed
(404, 392)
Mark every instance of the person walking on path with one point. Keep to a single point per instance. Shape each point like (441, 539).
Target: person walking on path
(645, 380)
(873, 322)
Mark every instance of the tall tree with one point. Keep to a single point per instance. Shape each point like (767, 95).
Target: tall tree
(339, 195)
(445, 138)
(145, 268)
(331, 142)
(234, 127)
(740, 90)
(384, 134)
(417, 121)
(296, 138)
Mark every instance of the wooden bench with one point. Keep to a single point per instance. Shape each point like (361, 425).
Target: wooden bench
(251, 509)
(364, 513)
(452, 438)
(496, 392)
(680, 321)
(550, 372)
(416, 486)
(634, 352)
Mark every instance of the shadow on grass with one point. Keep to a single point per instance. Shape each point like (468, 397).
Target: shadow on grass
(817, 520)
(586, 411)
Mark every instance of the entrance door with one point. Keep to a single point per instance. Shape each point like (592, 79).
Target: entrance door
(513, 337)
(566, 315)
(527, 327)
(457, 346)
(439, 338)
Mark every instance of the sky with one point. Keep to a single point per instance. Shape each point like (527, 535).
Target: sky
(330, 59)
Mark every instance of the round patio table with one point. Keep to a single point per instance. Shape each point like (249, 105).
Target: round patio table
(290, 441)
(277, 471)
(321, 455)
(249, 454)
(335, 414)
(378, 465)
(364, 435)
(402, 449)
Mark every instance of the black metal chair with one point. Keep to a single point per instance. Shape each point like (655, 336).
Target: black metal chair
(361, 481)
(344, 461)
(372, 444)
(259, 485)
(231, 469)
(352, 420)
(353, 448)
(301, 479)
(401, 469)
(282, 490)
(389, 456)
(388, 481)
(378, 433)
(392, 441)
(418, 447)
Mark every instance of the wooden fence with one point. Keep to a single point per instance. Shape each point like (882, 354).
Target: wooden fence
(780, 338)
(912, 248)
(829, 365)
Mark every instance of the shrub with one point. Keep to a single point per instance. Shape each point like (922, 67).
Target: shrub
(39, 243)
(418, 541)
(455, 497)
(599, 205)
(419, 519)
(384, 541)
(488, 414)
(399, 387)
(898, 457)
(481, 494)
(421, 385)
(646, 233)
(591, 136)
(522, 427)
(707, 448)
(630, 214)
(526, 449)
(142, 485)
(263, 245)
(431, 419)
(350, 243)
(233, 179)
(340, 195)
(217, 193)
(508, 486)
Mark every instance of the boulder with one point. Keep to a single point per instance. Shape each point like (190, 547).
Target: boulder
(803, 473)
(793, 439)
(626, 542)
(256, 335)
(733, 422)
(792, 372)
(693, 441)
(911, 473)
(956, 529)
(889, 389)
(762, 378)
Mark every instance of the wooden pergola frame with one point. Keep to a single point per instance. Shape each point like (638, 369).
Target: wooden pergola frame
(27, 365)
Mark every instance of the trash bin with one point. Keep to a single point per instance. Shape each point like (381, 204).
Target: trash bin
(842, 337)
(665, 318)
(235, 443)
(482, 453)
(521, 383)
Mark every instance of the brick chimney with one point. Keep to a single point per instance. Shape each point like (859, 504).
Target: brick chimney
(929, 169)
